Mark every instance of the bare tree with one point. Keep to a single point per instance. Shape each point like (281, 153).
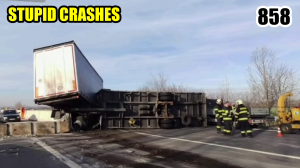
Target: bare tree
(160, 83)
(268, 79)
(18, 105)
(213, 95)
(156, 83)
(225, 91)
(245, 96)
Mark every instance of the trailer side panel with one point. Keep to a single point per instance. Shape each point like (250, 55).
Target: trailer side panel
(191, 104)
(89, 81)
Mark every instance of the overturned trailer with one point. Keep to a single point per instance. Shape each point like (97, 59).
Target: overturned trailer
(134, 109)
(65, 80)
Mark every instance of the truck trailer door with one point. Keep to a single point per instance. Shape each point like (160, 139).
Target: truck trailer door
(55, 72)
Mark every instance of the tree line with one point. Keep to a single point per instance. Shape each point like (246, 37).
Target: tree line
(267, 80)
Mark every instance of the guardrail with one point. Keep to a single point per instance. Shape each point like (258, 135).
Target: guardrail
(33, 128)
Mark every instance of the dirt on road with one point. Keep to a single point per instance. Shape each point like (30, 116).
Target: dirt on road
(169, 157)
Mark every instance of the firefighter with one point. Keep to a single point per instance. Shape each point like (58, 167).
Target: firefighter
(242, 116)
(227, 118)
(218, 112)
(233, 107)
(233, 110)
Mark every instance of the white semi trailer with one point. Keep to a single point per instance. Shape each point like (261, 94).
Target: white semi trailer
(63, 77)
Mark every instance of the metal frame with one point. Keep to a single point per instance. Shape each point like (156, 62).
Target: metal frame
(119, 118)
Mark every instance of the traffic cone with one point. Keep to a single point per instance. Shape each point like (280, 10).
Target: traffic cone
(279, 133)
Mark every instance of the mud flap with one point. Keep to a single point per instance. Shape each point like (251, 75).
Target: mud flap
(56, 114)
(53, 114)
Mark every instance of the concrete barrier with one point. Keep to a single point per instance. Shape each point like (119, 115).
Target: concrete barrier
(44, 128)
(22, 128)
(34, 128)
(3, 130)
(64, 127)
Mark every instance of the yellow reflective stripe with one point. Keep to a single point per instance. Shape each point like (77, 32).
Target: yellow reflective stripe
(243, 108)
(227, 131)
(242, 113)
(249, 131)
(243, 132)
(243, 119)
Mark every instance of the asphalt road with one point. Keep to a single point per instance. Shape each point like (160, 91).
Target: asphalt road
(153, 148)
(265, 150)
(24, 153)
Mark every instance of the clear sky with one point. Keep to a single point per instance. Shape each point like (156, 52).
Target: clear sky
(196, 43)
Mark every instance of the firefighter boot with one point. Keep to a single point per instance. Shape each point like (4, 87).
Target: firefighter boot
(218, 129)
(250, 135)
(243, 135)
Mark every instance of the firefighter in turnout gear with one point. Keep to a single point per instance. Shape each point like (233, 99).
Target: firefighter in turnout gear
(242, 116)
(233, 110)
(227, 118)
(218, 112)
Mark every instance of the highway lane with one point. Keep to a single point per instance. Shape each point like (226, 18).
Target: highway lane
(153, 148)
(265, 150)
(24, 153)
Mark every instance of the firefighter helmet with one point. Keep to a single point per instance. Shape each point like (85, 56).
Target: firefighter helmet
(238, 102)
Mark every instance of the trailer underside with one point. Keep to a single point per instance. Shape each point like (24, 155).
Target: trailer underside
(121, 109)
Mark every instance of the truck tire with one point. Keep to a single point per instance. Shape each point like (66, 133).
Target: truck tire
(167, 121)
(166, 126)
(166, 96)
(286, 128)
(186, 120)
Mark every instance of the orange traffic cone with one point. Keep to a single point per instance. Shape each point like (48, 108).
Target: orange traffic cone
(279, 133)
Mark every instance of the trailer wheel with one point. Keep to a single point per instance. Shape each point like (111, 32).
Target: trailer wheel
(166, 126)
(167, 121)
(286, 128)
(166, 96)
(186, 120)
